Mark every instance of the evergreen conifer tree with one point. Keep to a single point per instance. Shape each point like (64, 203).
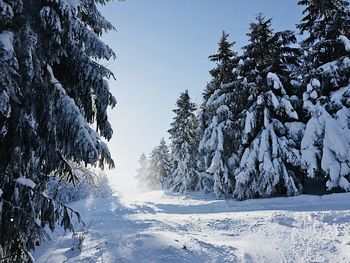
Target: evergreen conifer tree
(215, 147)
(221, 74)
(324, 21)
(184, 140)
(51, 90)
(269, 159)
(326, 142)
(160, 164)
(153, 172)
(143, 171)
(225, 63)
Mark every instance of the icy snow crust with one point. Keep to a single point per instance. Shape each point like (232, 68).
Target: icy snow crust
(155, 227)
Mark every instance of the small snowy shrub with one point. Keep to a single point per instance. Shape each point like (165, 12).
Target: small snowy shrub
(88, 183)
(78, 239)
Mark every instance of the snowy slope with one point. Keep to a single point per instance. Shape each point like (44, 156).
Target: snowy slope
(154, 227)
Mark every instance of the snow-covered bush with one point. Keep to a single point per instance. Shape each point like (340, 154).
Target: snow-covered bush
(89, 182)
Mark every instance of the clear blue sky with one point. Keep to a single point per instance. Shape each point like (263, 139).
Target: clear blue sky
(162, 48)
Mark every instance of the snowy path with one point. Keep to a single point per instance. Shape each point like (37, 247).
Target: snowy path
(154, 227)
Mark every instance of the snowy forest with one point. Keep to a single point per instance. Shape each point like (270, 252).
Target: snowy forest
(274, 121)
(274, 117)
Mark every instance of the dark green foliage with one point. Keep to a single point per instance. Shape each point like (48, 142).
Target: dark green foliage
(324, 22)
(183, 127)
(268, 51)
(225, 60)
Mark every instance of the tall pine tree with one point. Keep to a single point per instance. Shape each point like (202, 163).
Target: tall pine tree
(225, 63)
(269, 161)
(215, 147)
(184, 140)
(221, 74)
(160, 164)
(51, 90)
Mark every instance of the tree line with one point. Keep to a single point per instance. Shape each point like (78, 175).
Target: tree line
(274, 119)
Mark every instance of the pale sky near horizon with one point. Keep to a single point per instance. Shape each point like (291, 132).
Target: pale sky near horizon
(162, 48)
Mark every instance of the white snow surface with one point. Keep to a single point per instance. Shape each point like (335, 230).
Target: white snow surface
(6, 39)
(346, 42)
(74, 3)
(26, 182)
(160, 227)
(274, 80)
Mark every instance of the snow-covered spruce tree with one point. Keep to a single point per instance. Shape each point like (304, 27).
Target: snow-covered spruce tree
(143, 171)
(325, 146)
(324, 21)
(160, 162)
(154, 172)
(225, 63)
(270, 161)
(215, 147)
(221, 74)
(184, 141)
(51, 90)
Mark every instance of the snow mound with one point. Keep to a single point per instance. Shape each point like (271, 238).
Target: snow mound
(346, 42)
(26, 182)
(6, 40)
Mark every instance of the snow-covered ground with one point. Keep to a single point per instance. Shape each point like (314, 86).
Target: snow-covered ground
(160, 227)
